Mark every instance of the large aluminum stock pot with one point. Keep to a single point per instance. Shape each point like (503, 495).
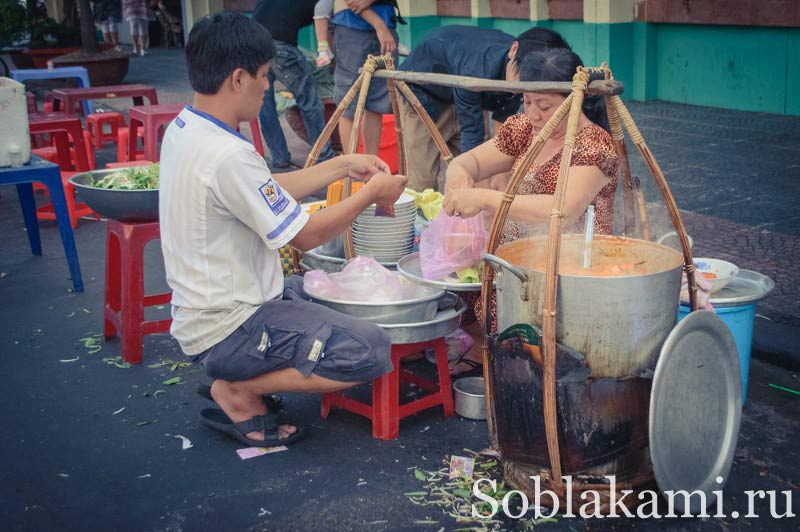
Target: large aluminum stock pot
(617, 314)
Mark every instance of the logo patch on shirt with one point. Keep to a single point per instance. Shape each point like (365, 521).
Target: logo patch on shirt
(179, 122)
(316, 349)
(274, 196)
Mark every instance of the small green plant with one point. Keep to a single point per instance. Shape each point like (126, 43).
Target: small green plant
(12, 22)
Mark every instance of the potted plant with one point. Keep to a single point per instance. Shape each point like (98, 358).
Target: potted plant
(105, 67)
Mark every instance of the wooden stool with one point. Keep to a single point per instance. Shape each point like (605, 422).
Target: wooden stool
(386, 410)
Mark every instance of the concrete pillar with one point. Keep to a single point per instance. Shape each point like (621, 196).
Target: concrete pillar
(480, 9)
(417, 8)
(608, 11)
(539, 10)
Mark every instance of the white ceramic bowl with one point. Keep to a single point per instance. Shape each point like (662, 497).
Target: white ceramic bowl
(721, 270)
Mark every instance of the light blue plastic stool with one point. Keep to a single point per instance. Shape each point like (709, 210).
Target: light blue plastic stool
(78, 73)
(740, 321)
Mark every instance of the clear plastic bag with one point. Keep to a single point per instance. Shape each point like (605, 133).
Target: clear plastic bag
(451, 243)
(318, 283)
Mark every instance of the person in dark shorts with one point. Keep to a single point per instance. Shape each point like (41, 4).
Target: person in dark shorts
(353, 40)
(224, 217)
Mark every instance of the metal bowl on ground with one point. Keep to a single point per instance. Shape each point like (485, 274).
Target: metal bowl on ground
(122, 205)
(420, 303)
(470, 398)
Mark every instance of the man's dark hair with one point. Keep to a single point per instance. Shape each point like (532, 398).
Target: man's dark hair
(221, 43)
(560, 64)
(536, 39)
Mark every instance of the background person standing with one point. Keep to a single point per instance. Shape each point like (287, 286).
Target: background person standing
(283, 19)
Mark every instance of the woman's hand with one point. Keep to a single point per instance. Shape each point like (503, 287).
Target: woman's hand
(457, 180)
(362, 167)
(357, 6)
(467, 202)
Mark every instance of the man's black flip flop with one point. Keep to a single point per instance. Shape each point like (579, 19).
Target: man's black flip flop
(217, 419)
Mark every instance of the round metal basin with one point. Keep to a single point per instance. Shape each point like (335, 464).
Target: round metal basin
(122, 205)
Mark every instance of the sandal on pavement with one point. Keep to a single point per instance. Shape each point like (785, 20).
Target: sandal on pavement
(218, 420)
(274, 402)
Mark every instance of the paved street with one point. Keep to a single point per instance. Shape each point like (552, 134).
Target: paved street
(90, 445)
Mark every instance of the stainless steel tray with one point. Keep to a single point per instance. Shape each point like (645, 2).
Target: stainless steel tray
(409, 267)
(442, 324)
(695, 409)
(420, 307)
(745, 288)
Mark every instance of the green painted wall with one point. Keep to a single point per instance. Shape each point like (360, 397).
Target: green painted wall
(736, 67)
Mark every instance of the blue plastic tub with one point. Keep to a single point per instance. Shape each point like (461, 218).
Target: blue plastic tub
(740, 321)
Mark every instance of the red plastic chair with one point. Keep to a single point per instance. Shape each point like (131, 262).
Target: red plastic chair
(123, 147)
(123, 311)
(386, 410)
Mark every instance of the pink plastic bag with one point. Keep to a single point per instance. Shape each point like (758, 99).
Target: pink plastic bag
(318, 283)
(362, 279)
(451, 243)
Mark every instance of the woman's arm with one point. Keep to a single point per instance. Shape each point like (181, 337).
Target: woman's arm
(585, 182)
(476, 165)
(388, 44)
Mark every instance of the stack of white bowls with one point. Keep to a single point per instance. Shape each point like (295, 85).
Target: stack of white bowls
(386, 239)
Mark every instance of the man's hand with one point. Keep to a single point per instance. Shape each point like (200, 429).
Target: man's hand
(465, 202)
(388, 44)
(357, 6)
(362, 167)
(386, 188)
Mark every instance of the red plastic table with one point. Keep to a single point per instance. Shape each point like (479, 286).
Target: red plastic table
(53, 122)
(68, 99)
(151, 118)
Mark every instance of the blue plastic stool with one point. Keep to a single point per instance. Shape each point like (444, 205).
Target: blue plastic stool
(50, 175)
(740, 321)
(78, 73)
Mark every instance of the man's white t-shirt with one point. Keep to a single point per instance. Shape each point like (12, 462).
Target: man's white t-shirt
(223, 219)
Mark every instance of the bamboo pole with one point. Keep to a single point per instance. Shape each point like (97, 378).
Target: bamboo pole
(398, 126)
(600, 87)
(669, 199)
(618, 137)
(494, 238)
(549, 310)
(412, 99)
(638, 193)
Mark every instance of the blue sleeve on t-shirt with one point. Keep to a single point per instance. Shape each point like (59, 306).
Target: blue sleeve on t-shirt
(348, 19)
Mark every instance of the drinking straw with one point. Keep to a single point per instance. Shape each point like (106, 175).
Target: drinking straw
(784, 389)
(588, 238)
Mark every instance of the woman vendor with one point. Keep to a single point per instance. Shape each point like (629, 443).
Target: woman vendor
(592, 177)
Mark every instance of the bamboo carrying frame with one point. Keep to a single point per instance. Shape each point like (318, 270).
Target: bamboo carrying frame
(619, 119)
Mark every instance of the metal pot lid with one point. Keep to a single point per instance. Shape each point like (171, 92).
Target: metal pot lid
(695, 409)
(746, 287)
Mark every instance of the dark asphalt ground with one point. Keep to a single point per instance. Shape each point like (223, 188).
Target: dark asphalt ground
(72, 464)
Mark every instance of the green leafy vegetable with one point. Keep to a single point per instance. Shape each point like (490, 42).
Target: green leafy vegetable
(134, 178)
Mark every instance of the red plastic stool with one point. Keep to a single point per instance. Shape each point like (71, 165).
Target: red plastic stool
(96, 122)
(124, 298)
(386, 410)
(387, 149)
(122, 145)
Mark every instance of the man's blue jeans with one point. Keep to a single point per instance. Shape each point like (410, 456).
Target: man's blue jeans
(290, 67)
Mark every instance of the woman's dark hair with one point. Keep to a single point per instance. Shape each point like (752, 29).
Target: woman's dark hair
(223, 42)
(536, 39)
(560, 64)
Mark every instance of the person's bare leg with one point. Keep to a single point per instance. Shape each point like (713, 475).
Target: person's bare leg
(345, 127)
(242, 400)
(114, 38)
(371, 132)
(135, 39)
(107, 38)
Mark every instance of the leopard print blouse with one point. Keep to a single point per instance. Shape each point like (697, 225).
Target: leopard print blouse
(593, 147)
